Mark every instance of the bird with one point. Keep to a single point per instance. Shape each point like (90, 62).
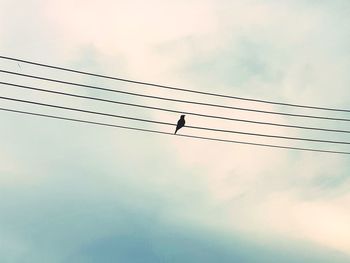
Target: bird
(180, 123)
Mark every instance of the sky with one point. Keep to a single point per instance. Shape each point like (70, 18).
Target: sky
(72, 192)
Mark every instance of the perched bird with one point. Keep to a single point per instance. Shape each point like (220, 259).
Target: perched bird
(180, 123)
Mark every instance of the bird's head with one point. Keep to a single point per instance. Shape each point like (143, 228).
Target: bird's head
(183, 116)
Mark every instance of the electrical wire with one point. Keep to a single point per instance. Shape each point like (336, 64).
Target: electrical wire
(169, 110)
(167, 133)
(171, 124)
(175, 100)
(171, 87)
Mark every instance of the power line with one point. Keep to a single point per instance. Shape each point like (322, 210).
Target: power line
(167, 133)
(175, 100)
(171, 124)
(171, 87)
(172, 111)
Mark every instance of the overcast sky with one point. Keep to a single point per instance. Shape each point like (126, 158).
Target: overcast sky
(73, 192)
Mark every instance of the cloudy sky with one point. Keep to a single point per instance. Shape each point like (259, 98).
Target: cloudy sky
(73, 192)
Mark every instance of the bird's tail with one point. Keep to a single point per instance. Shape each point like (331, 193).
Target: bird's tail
(176, 131)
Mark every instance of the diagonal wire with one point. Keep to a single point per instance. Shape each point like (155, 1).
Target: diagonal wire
(171, 124)
(172, 111)
(167, 133)
(171, 87)
(174, 100)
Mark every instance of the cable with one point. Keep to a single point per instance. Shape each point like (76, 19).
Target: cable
(172, 88)
(169, 110)
(171, 124)
(167, 133)
(174, 100)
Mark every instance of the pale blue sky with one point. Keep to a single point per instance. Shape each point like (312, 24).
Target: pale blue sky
(80, 193)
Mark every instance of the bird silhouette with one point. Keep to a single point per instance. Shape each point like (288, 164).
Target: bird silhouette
(180, 123)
